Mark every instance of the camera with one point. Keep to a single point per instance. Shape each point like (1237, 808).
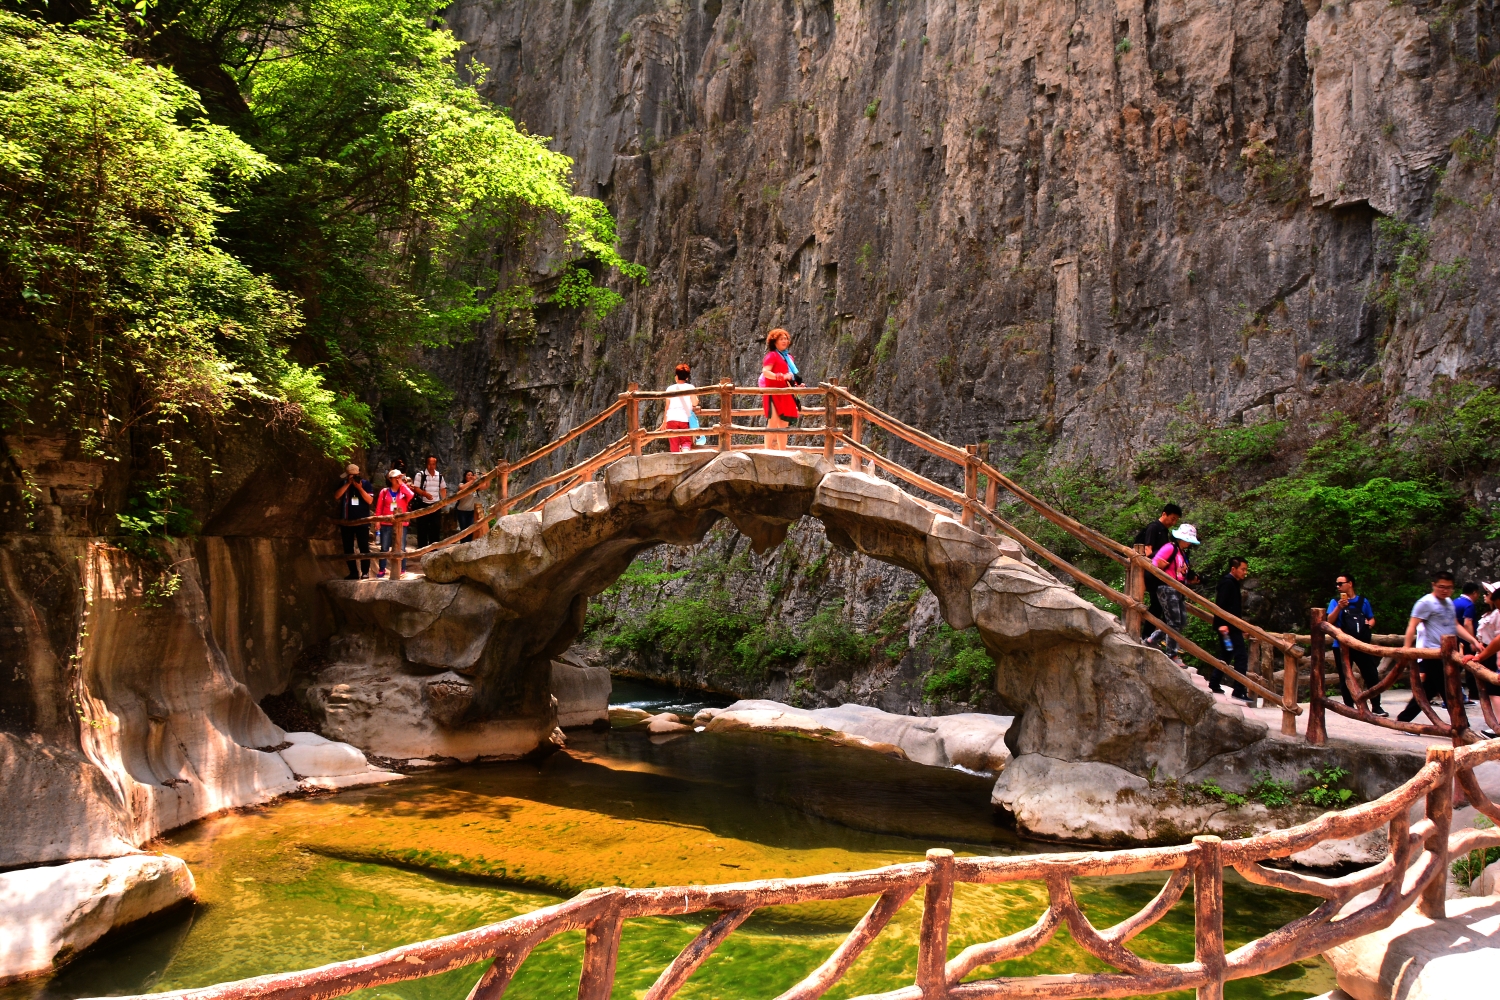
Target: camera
(797, 379)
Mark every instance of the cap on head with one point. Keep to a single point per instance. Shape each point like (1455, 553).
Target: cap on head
(1490, 588)
(1186, 533)
(352, 469)
(395, 474)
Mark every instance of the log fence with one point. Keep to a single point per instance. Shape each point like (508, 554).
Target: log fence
(1414, 873)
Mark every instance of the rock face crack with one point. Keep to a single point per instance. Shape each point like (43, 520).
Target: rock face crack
(474, 678)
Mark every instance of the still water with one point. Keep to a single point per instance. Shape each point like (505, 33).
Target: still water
(308, 881)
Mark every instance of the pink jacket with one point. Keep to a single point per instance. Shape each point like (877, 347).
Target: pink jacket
(1170, 558)
(384, 502)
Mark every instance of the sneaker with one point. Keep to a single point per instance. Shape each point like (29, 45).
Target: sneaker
(380, 574)
(1216, 689)
(1380, 712)
(1489, 734)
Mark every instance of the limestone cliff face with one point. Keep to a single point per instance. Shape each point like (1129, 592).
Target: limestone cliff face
(995, 214)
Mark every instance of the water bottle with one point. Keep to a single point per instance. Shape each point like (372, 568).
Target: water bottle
(1228, 644)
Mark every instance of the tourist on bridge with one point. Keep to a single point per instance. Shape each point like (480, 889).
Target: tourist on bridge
(394, 499)
(463, 509)
(778, 369)
(1156, 534)
(679, 414)
(1432, 618)
(1468, 607)
(354, 503)
(1352, 614)
(1488, 634)
(1172, 558)
(1232, 643)
(431, 490)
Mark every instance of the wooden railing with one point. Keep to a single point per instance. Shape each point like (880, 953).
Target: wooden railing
(1414, 872)
(841, 441)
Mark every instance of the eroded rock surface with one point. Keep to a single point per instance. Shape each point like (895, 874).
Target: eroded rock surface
(51, 914)
(1417, 958)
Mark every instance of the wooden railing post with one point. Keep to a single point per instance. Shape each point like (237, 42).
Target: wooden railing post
(971, 483)
(1288, 688)
(1208, 914)
(937, 908)
(601, 952)
(1317, 729)
(726, 413)
(1453, 690)
(401, 548)
(633, 418)
(504, 488)
(857, 434)
(1135, 589)
(830, 421)
(1434, 901)
(481, 518)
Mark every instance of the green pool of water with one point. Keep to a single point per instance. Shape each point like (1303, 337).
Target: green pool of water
(309, 881)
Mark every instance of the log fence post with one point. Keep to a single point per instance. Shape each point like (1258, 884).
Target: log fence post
(1434, 901)
(856, 434)
(937, 908)
(726, 413)
(1317, 728)
(401, 548)
(1453, 690)
(1289, 687)
(633, 418)
(601, 953)
(481, 518)
(1208, 914)
(971, 484)
(830, 421)
(1135, 589)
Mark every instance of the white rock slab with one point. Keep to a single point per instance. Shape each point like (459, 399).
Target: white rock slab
(971, 740)
(333, 783)
(324, 760)
(1420, 959)
(48, 915)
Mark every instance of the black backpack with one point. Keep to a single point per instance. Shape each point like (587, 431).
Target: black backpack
(1353, 621)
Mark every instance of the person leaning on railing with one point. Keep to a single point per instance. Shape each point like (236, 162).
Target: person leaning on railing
(1432, 618)
(679, 411)
(1488, 634)
(778, 369)
(463, 509)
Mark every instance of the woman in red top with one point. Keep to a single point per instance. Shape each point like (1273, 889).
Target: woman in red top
(778, 369)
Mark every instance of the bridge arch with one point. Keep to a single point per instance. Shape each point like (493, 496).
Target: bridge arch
(456, 663)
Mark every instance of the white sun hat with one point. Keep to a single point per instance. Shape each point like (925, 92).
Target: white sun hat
(1186, 533)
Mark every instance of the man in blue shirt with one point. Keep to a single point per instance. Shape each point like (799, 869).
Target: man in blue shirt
(1467, 608)
(1432, 618)
(1352, 615)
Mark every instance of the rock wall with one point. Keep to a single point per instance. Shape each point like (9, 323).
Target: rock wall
(994, 215)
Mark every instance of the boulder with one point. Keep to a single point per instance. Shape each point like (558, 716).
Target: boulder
(623, 716)
(323, 758)
(1417, 958)
(53, 913)
(973, 740)
(1488, 882)
(582, 693)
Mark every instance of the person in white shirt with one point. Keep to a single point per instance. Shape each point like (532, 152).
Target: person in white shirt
(1488, 634)
(679, 415)
(434, 489)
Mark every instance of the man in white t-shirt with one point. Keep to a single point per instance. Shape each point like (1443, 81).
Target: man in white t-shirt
(434, 489)
(679, 415)
(1432, 618)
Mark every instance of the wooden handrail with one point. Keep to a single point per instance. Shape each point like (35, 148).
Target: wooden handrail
(1413, 873)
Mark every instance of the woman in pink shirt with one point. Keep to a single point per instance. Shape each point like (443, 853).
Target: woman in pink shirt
(1172, 558)
(394, 499)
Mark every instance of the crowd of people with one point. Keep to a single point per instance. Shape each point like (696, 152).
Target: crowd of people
(1474, 618)
(401, 494)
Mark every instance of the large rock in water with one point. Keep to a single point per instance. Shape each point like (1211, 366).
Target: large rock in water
(48, 915)
(491, 615)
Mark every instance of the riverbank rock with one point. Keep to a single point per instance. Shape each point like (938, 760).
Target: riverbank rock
(49, 915)
(972, 741)
(1417, 958)
(323, 765)
(582, 693)
(1094, 802)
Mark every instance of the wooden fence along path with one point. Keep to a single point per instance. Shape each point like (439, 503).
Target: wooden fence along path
(1414, 872)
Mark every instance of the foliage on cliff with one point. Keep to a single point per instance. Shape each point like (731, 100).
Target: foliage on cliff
(1340, 492)
(203, 204)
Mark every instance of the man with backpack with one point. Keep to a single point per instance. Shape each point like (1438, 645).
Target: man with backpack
(1232, 645)
(1351, 614)
(354, 501)
(430, 489)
